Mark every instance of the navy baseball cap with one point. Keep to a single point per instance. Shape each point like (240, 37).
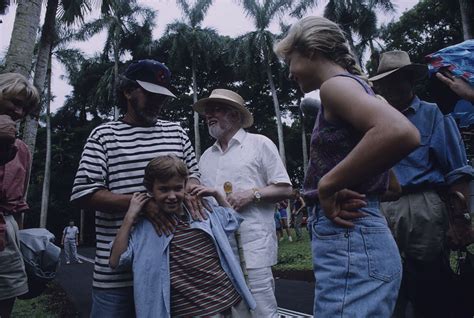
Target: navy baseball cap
(151, 75)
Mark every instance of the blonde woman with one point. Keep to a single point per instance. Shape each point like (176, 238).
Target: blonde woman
(18, 97)
(356, 139)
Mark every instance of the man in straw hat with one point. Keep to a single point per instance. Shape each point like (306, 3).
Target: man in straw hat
(419, 218)
(258, 179)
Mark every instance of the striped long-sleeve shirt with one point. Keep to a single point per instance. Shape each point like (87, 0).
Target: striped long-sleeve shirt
(114, 159)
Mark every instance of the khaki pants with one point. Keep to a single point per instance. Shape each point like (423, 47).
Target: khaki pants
(13, 280)
(419, 222)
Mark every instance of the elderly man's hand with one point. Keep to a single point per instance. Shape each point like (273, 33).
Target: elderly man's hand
(7, 130)
(163, 223)
(239, 200)
(194, 204)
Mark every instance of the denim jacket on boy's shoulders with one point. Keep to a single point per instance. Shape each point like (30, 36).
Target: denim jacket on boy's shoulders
(148, 257)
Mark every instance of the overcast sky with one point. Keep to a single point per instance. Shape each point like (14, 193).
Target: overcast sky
(224, 15)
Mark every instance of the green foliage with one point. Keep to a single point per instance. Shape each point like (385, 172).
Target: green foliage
(428, 27)
(294, 255)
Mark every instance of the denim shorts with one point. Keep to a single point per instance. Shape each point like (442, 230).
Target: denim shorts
(358, 271)
(113, 303)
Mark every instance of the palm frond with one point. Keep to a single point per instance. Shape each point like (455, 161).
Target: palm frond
(302, 7)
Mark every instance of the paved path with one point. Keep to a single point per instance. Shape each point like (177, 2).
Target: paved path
(294, 298)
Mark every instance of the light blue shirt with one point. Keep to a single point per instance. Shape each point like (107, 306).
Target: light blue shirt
(148, 257)
(440, 159)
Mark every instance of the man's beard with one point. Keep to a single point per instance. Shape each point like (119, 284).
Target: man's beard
(219, 129)
(148, 115)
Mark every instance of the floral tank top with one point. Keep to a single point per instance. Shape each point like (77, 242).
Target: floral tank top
(330, 144)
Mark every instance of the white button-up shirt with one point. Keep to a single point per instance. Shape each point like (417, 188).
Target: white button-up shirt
(250, 161)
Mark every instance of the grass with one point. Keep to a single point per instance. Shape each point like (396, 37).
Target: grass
(294, 256)
(53, 303)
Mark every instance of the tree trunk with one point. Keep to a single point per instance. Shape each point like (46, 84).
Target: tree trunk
(47, 164)
(281, 144)
(116, 61)
(47, 36)
(197, 137)
(304, 143)
(467, 16)
(19, 57)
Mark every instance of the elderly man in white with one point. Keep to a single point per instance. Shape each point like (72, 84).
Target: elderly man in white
(251, 163)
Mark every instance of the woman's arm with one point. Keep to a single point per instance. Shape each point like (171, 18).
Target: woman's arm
(388, 135)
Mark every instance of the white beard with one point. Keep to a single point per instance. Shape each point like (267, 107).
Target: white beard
(219, 129)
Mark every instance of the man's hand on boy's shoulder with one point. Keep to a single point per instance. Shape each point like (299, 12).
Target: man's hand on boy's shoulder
(193, 202)
(162, 222)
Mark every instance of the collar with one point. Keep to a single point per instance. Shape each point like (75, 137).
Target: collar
(238, 137)
(414, 105)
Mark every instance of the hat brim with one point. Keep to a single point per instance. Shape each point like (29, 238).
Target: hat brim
(201, 104)
(419, 72)
(156, 89)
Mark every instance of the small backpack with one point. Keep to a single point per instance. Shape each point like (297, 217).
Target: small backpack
(41, 258)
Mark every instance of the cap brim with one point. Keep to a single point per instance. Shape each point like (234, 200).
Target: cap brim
(419, 71)
(200, 106)
(156, 89)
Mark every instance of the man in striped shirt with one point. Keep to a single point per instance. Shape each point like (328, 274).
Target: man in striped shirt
(111, 170)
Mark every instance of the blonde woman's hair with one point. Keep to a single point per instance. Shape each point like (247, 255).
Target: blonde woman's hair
(318, 35)
(164, 168)
(14, 84)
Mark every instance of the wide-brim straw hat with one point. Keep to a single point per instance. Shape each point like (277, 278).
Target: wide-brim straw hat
(229, 98)
(394, 61)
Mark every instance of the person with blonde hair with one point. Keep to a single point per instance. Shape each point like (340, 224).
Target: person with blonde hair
(356, 139)
(18, 97)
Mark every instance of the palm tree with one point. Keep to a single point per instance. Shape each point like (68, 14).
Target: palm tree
(47, 164)
(117, 22)
(191, 43)
(357, 18)
(42, 60)
(19, 57)
(256, 48)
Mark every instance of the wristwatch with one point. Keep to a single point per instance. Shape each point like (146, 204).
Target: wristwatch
(257, 196)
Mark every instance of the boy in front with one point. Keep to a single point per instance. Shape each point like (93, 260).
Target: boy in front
(192, 272)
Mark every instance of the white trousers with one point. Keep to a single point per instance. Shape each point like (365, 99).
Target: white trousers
(262, 286)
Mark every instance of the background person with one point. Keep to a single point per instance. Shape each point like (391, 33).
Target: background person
(70, 241)
(297, 209)
(284, 219)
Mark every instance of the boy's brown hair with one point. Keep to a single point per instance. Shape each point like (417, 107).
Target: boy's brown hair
(164, 168)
